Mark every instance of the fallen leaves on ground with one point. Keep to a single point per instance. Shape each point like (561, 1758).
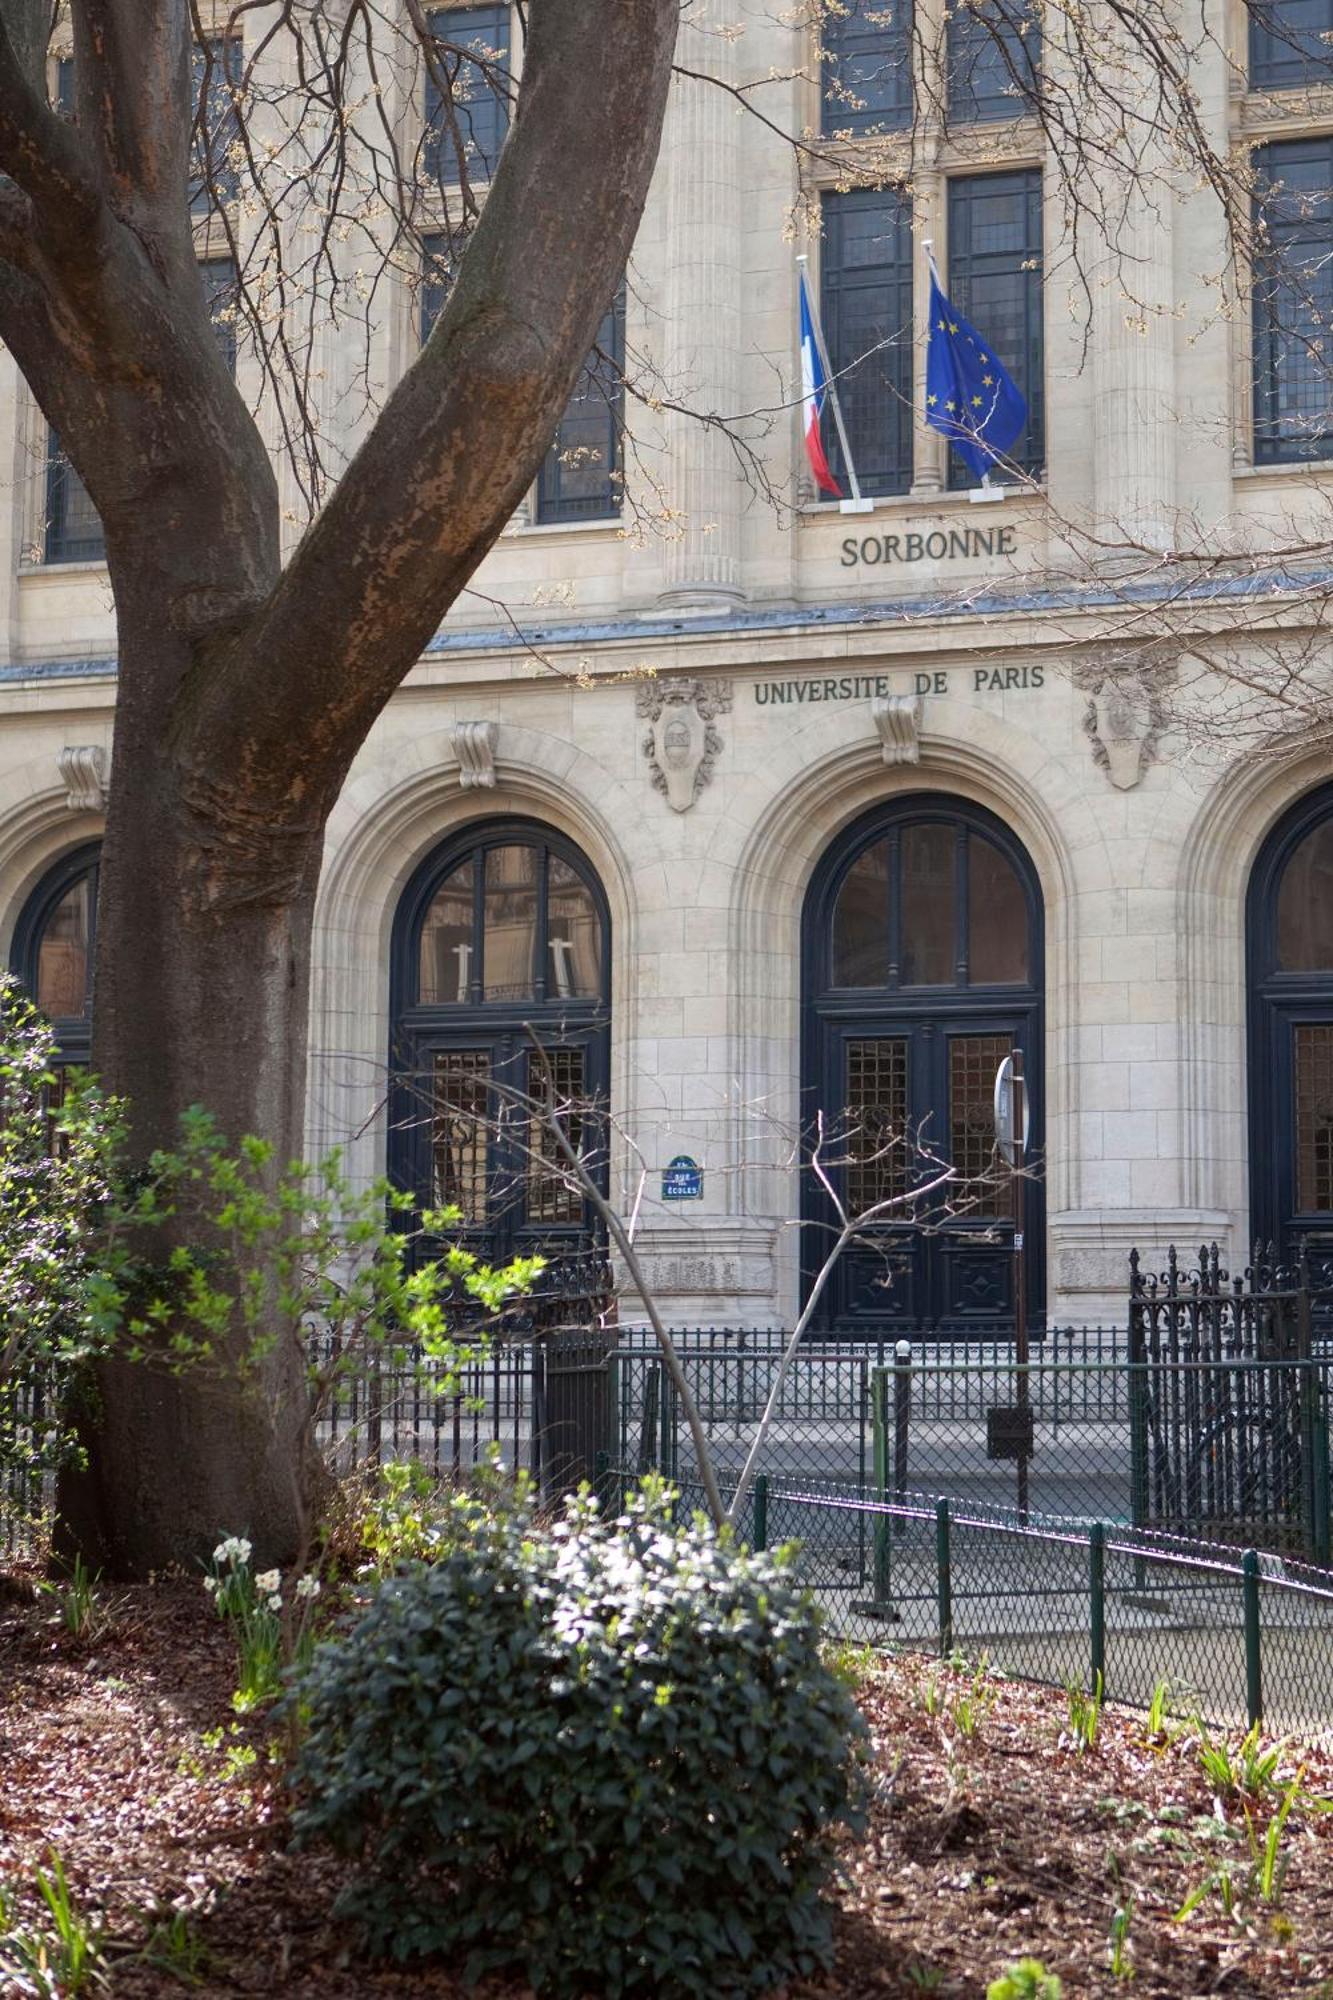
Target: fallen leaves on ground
(992, 1837)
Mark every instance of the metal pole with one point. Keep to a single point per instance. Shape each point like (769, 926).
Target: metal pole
(1097, 1592)
(1020, 1276)
(832, 387)
(944, 1577)
(1254, 1685)
(760, 1539)
(879, 1393)
(902, 1413)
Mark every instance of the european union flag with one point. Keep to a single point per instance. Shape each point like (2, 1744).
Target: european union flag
(970, 395)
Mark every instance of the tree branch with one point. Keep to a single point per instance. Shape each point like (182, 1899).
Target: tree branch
(37, 149)
(461, 438)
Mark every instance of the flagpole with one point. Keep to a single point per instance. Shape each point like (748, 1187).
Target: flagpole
(830, 384)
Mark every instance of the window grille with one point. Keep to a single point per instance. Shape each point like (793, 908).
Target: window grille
(993, 54)
(1293, 301)
(1314, 1118)
(995, 279)
(866, 66)
(973, 1061)
(459, 1132)
(552, 1195)
(866, 297)
(877, 1138)
(472, 54)
(1291, 42)
(580, 477)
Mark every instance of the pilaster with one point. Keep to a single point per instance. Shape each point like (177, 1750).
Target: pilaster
(702, 318)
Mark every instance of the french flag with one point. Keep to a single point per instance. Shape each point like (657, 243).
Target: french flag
(813, 390)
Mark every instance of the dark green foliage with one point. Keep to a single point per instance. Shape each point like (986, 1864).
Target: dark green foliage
(610, 1754)
(60, 1290)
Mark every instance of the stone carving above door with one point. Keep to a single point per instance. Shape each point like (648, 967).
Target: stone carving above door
(682, 740)
(1126, 711)
(897, 717)
(474, 747)
(83, 773)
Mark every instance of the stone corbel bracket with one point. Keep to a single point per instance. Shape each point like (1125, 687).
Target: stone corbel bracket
(83, 773)
(474, 747)
(897, 717)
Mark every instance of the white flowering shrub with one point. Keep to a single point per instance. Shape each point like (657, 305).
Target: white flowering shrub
(609, 1754)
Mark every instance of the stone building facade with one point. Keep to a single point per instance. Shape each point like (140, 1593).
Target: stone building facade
(760, 807)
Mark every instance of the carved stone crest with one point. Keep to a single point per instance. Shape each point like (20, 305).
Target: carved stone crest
(474, 747)
(682, 740)
(897, 717)
(83, 774)
(1125, 713)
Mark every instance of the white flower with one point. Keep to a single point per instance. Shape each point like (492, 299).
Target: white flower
(268, 1583)
(235, 1549)
(275, 1604)
(211, 1585)
(308, 1586)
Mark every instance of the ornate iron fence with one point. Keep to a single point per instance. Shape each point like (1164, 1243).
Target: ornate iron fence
(1229, 1403)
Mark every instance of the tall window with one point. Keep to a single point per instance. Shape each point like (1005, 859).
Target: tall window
(580, 477)
(54, 943)
(995, 278)
(465, 127)
(1290, 954)
(1293, 301)
(1291, 42)
(215, 67)
(867, 66)
(866, 292)
(500, 997)
(993, 52)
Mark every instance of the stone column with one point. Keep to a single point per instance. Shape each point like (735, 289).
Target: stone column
(701, 300)
(930, 450)
(1135, 416)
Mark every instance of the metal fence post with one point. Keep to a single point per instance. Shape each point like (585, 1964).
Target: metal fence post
(1254, 1683)
(944, 1577)
(879, 1410)
(1097, 1593)
(760, 1538)
(902, 1413)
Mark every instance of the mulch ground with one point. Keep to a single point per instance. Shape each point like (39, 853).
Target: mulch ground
(992, 1838)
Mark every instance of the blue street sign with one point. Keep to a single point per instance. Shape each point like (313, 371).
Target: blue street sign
(682, 1179)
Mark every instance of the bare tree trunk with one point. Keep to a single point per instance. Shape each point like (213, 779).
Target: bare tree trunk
(202, 986)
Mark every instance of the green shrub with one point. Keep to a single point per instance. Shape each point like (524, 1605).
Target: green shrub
(609, 1753)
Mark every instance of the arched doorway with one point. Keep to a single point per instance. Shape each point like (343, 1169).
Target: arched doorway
(922, 963)
(1289, 941)
(500, 994)
(55, 941)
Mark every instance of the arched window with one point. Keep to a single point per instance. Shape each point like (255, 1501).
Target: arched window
(1290, 950)
(500, 1000)
(923, 969)
(54, 943)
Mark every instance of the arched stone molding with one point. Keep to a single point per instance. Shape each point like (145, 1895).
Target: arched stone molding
(1223, 842)
(814, 783)
(34, 834)
(400, 801)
